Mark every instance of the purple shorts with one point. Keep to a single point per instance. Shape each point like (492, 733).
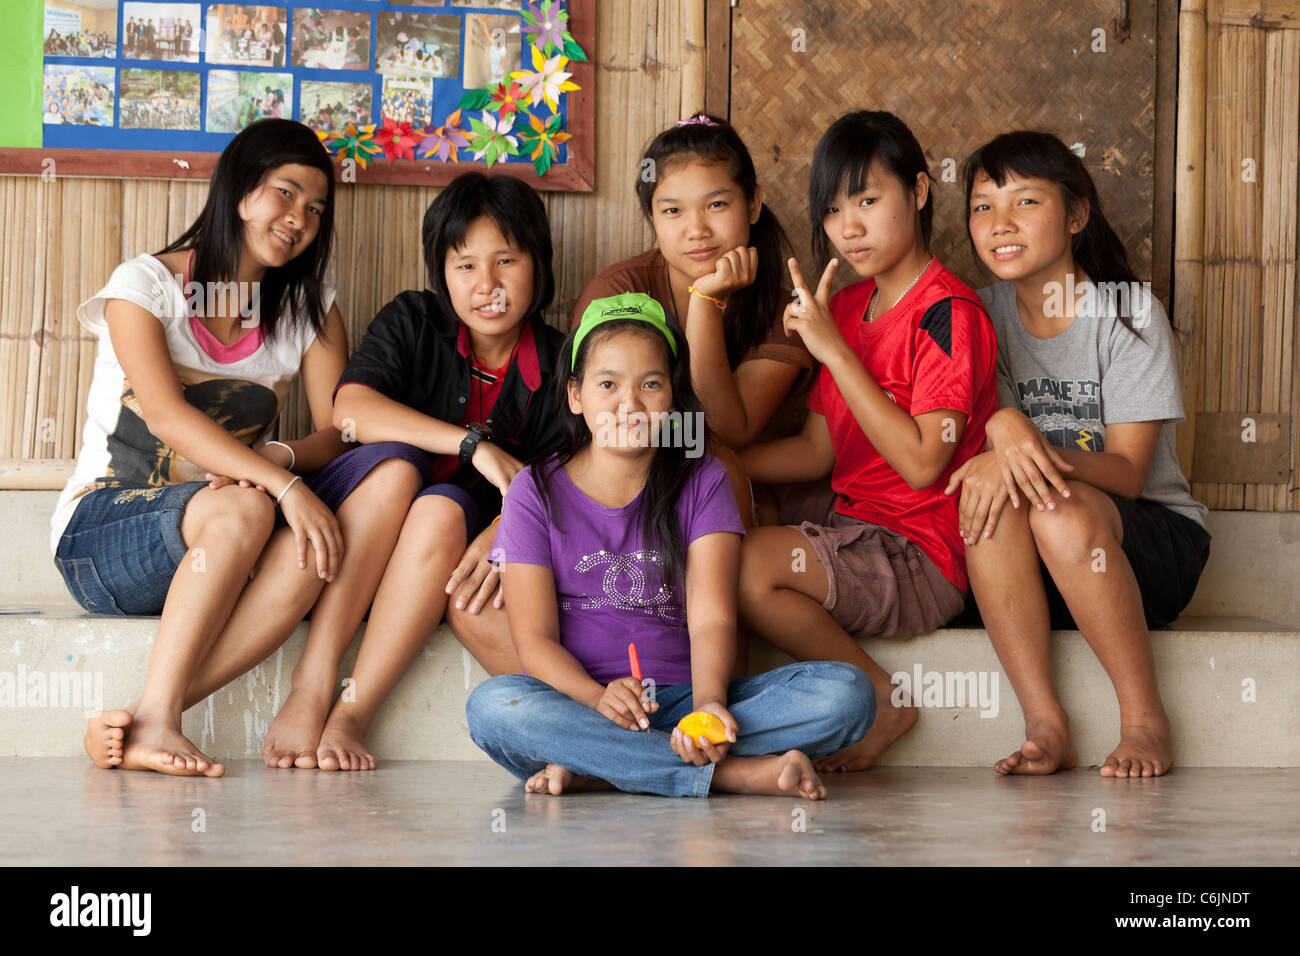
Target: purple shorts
(333, 483)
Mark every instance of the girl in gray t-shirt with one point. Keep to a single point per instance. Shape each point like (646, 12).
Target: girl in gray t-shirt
(1102, 532)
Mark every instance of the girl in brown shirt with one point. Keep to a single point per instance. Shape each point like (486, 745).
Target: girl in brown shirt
(717, 269)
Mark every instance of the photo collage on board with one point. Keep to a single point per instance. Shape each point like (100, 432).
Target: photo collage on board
(200, 68)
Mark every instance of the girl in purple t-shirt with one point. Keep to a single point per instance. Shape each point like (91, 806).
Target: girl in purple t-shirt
(629, 533)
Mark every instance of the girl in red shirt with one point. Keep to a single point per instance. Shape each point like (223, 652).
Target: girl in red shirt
(907, 383)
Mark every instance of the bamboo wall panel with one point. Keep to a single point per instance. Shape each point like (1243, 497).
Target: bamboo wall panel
(1244, 350)
(957, 74)
(66, 236)
(1189, 233)
(1281, 190)
(1235, 275)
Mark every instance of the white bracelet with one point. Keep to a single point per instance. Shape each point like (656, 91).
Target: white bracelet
(296, 478)
(293, 459)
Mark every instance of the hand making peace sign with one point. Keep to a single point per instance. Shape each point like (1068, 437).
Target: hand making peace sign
(810, 316)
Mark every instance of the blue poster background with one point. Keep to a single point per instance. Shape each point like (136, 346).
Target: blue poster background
(446, 91)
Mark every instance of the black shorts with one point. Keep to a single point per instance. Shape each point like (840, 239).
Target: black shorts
(1166, 551)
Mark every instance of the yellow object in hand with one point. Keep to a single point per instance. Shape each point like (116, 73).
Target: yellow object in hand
(700, 724)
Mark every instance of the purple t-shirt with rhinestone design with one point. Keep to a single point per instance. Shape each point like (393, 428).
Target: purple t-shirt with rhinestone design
(605, 597)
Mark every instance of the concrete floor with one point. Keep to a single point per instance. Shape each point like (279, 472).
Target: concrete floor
(62, 811)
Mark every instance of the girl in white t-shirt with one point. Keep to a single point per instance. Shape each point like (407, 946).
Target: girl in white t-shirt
(172, 507)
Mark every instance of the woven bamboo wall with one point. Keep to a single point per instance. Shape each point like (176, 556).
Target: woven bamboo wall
(64, 238)
(1235, 277)
(1235, 274)
(957, 74)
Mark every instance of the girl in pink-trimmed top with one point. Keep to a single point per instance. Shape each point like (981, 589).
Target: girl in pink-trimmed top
(172, 507)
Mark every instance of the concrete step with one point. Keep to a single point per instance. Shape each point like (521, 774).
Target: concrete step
(1226, 638)
(1253, 569)
(1230, 686)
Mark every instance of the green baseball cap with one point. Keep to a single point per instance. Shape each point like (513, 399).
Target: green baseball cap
(628, 305)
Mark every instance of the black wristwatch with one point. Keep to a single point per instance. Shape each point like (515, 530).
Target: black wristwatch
(477, 433)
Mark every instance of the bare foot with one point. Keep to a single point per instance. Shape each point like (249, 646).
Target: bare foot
(789, 774)
(890, 724)
(154, 745)
(105, 733)
(341, 746)
(295, 734)
(1142, 752)
(555, 780)
(1046, 749)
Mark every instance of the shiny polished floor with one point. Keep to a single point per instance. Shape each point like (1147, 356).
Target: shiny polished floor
(61, 810)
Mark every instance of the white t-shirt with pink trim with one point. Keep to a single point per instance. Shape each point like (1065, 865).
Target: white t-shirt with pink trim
(241, 386)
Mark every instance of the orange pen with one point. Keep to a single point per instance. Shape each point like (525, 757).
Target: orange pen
(635, 662)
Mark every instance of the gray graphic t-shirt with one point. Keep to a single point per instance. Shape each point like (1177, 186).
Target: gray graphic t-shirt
(1094, 374)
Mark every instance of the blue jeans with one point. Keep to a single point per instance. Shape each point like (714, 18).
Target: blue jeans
(122, 546)
(523, 724)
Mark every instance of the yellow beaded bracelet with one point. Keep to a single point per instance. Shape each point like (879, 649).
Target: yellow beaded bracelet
(718, 302)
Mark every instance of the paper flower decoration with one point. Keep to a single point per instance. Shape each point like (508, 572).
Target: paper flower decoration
(492, 139)
(397, 140)
(505, 100)
(352, 143)
(548, 24)
(545, 139)
(548, 79)
(444, 140)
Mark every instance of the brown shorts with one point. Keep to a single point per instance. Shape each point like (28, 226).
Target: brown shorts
(878, 583)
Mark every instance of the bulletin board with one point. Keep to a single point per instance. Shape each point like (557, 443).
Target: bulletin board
(399, 91)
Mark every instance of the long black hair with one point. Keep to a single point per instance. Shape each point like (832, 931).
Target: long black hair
(669, 470)
(757, 306)
(517, 211)
(843, 158)
(1030, 154)
(217, 236)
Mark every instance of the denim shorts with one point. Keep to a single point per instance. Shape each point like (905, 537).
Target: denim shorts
(120, 550)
